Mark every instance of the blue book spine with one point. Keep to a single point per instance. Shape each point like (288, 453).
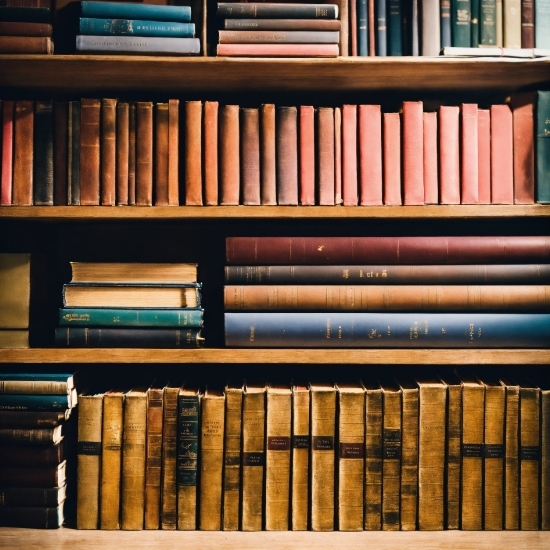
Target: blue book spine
(188, 439)
(132, 27)
(474, 27)
(415, 30)
(461, 14)
(387, 330)
(445, 24)
(543, 147)
(542, 24)
(362, 28)
(13, 402)
(395, 42)
(381, 28)
(152, 12)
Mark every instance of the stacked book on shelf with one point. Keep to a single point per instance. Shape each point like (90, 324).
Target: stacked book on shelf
(116, 305)
(387, 292)
(36, 446)
(25, 29)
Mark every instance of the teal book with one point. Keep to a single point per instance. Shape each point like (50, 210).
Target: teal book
(129, 317)
(14, 402)
(542, 24)
(395, 17)
(543, 148)
(474, 23)
(461, 13)
(487, 23)
(119, 10)
(135, 27)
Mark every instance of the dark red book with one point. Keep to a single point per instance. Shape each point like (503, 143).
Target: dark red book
(173, 151)
(41, 455)
(160, 184)
(502, 155)
(287, 155)
(32, 419)
(431, 180)
(89, 151)
(229, 155)
(108, 152)
(31, 476)
(268, 157)
(392, 159)
(484, 151)
(23, 133)
(250, 155)
(193, 153)
(210, 152)
(7, 152)
(60, 157)
(122, 151)
(325, 155)
(527, 24)
(370, 154)
(413, 153)
(469, 154)
(22, 28)
(523, 113)
(307, 155)
(449, 155)
(144, 153)
(350, 194)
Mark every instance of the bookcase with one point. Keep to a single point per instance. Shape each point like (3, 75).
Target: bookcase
(197, 234)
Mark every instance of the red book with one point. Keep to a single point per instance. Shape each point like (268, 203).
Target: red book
(431, 181)
(449, 155)
(173, 151)
(287, 155)
(307, 155)
(392, 159)
(89, 151)
(353, 27)
(325, 155)
(161, 154)
(250, 155)
(268, 162)
(502, 155)
(484, 151)
(349, 155)
(210, 159)
(108, 152)
(337, 155)
(7, 152)
(278, 50)
(371, 30)
(122, 152)
(527, 24)
(523, 113)
(370, 154)
(193, 153)
(23, 153)
(229, 154)
(469, 154)
(144, 153)
(413, 153)
(60, 156)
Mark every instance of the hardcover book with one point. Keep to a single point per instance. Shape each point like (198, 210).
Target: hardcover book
(168, 513)
(108, 152)
(153, 457)
(300, 458)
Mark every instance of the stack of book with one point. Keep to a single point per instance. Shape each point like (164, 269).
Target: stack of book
(36, 444)
(25, 30)
(278, 30)
(387, 292)
(109, 305)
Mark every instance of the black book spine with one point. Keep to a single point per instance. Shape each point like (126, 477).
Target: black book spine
(35, 517)
(43, 153)
(41, 455)
(73, 161)
(29, 496)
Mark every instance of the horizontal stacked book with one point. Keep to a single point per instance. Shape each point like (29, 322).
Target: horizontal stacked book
(36, 446)
(108, 305)
(25, 29)
(387, 292)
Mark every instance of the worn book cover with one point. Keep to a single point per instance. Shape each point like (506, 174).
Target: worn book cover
(300, 458)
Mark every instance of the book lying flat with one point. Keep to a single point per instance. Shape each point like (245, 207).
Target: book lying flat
(31, 436)
(495, 51)
(278, 50)
(36, 383)
(278, 37)
(135, 27)
(282, 24)
(34, 517)
(136, 272)
(33, 496)
(151, 45)
(136, 11)
(273, 10)
(41, 456)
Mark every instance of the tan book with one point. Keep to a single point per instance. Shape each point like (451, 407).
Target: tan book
(15, 290)
(160, 151)
(108, 152)
(351, 453)
(323, 431)
(473, 412)
(277, 458)
(193, 152)
(133, 460)
(111, 455)
(300, 458)
(253, 457)
(144, 153)
(169, 444)
(153, 457)
(88, 460)
(211, 461)
(373, 458)
(173, 152)
(545, 456)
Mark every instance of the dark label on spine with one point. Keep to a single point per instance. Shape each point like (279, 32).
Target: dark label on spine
(392, 436)
(278, 443)
(88, 448)
(494, 451)
(472, 451)
(391, 452)
(352, 450)
(529, 453)
(323, 443)
(300, 441)
(374, 451)
(253, 459)
(232, 460)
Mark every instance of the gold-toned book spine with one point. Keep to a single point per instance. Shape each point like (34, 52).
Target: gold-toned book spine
(111, 455)
(277, 458)
(545, 458)
(90, 419)
(153, 457)
(300, 458)
(133, 460)
(232, 458)
(351, 453)
(511, 451)
(323, 424)
(373, 459)
(253, 457)
(169, 443)
(211, 460)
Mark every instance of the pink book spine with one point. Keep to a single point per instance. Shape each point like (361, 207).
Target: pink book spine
(349, 155)
(392, 159)
(370, 154)
(502, 160)
(413, 153)
(210, 151)
(7, 152)
(449, 155)
(484, 150)
(325, 155)
(523, 112)
(337, 155)
(431, 181)
(469, 154)
(307, 155)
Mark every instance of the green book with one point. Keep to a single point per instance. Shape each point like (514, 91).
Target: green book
(487, 23)
(461, 23)
(543, 148)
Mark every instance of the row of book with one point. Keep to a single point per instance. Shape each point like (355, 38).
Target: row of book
(109, 152)
(443, 304)
(431, 453)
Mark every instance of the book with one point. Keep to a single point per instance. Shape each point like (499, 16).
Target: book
(282, 24)
(445, 23)
(26, 402)
(350, 189)
(60, 151)
(431, 165)
(484, 160)
(545, 455)
(23, 152)
(144, 153)
(122, 151)
(210, 152)
(25, 14)
(132, 110)
(6, 169)
(413, 153)
(41, 456)
(325, 156)
(287, 154)
(300, 458)
(43, 173)
(512, 23)
(487, 23)
(26, 45)
(168, 512)
(391, 158)
(31, 436)
(362, 28)
(153, 457)
(250, 156)
(173, 152)
(431, 31)
(542, 194)
(193, 154)
(268, 10)
(306, 155)
(135, 27)
(469, 169)
(474, 23)
(36, 383)
(136, 45)
(278, 37)
(31, 419)
(90, 115)
(32, 517)
(160, 176)
(370, 154)
(229, 156)
(73, 154)
(32, 496)
(461, 16)
(31, 476)
(381, 39)
(523, 114)
(502, 157)
(108, 152)
(268, 158)
(13, 338)
(542, 22)
(135, 11)
(449, 155)
(277, 50)
(338, 155)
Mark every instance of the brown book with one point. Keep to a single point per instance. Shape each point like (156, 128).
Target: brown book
(232, 458)
(132, 153)
(211, 453)
(162, 140)
(484, 151)
(323, 432)
(283, 24)
(30, 476)
(325, 155)
(523, 114)
(370, 154)
(277, 458)
(173, 152)
(469, 156)
(6, 143)
(60, 144)
(253, 457)
(306, 158)
(502, 155)
(153, 457)
(350, 190)
(89, 151)
(31, 419)
(287, 155)
(527, 24)
(449, 155)
(352, 28)
(545, 455)
(73, 154)
(337, 155)
(413, 153)
(229, 138)
(250, 156)
(122, 152)
(30, 436)
(392, 159)
(41, 456)
(144, 153)
(210, 152)
(371, 32)
(300, 458)
(23, 131)
(431, 180)
(268, 157)
(351, 454)
(88, 460)
(277, 50)
(111, 454)
(26, 44)
(193, 153)
(23, 28)
(169, 445)
(108, 152)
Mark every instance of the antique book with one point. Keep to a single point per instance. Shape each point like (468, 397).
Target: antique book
(6, 167)
(132, 152)
(122, 152)
(350, 189)
(286, 136)
(116, 10)
(144, 153)
(449, 155)
(90, 141)
(193, 153)
(168, 513)
(23, 132)
(229, 138)
(32, 496)
(26, 45)
(300, 458)
(133, 272)
(413, 153)
(250, 155)
(54, 475)
(545, 455)
(484, 152)
(391, 148)
(325, 156)
(461, 15)
(370, 154)
(32, 517)
(108, 148)
(73, 154)
(502, 157)
(153, 457)
(431, 165)
(36, 383)
(469, 170)
(97, 26)
(337, 155)
(268, 157)
(27, 402)
(23, 28)
(278, 37)
(306, 156)
(542, 129)
(542, 23)
(60, 150)
(173, 152)
(20, 13)
(512, 23)
(270, 10)
(282, 24)
(523, 115)
(31, 436)
(135, 45)
(31, 419)
(381, 28)
(43, 174)
(394, 17)
(527, 24)
(160, 151)
(41, 455)
(210, 152)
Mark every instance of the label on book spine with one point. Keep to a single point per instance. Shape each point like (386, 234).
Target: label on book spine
(278, 443)
(323, 443)
(494, 451)
(529, 453)
(253, 459)
(88, 448)
(300, 442)
(352, 450)
(472, 451)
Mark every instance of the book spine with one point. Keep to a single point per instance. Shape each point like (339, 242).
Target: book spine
(210, 152)
(394, 23)
(449, 155)
(409, 459)
(250, 156)
(431, 37)
(6, 168)
(150, 45)
(469, 154)
(484, 160)
(26, 45)
(168, 513)
(193, 153)
(287, 155)
(512, 23)
(122, 152)
(31, 419)
(132, 120)
(34, 387)
(135, 27)
(370, 154)
(60, 150)
(362, 28)
(20, 28)
(173, 152)
(545, 459)
(300, 458)
(160, 150)
(29, 497)
(282, 24)
(136, 11)
(43, 174)
(523, 114)
(306, 157)
(31, 517)
(350, 189)
(381, 28)
(542, 24)
(431, 180)
(229, 155)
(391, 159)
(502, 155)
(543, 147)
(144, 153)
(445, 23)
(338, 155)
(353, 28)
(487, 23)
(461, 14)
(413, 153)
(499, 20)
(325, 156)
(153, 458)
(278, 11)
(373, 460)
(511, 452)
(32, 436)
(371, 26)
(268, 157)
(131, 317)
(89, 151)
(16, 12)
(108, 152)
(474, 23)
(342, 12)
(13, 402)
(278, 37)
(453, 456)
(23, 132)
(31, 476)
(278, 50)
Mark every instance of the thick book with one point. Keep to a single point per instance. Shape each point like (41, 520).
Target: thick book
(122, 151)
(373, 457)
(268, 155)
(278, 37)
(210, 152)
(350, 189)
(270, 10)
(23, 153)
(160, 152)
(32, 517)
(449, 155)
(545, 455)
(543, 147)
(32, 419)
(36, 383)
(153, 457)
(277, 50)
(60, 151)
(135, 11)
(413, 153)
(31, 476)
(136, 45)
(25, 14)
(395, 14)
(300, 458)
(286, 154)
(511, 23)
(306, 154)
(26, 402)
(229, 155)
(173, 152)
(22, 28)
(523, 114)
(502, 156)
(168, 511)
(282, 24)
(135, 27)
(484, 159)
(337, 155)
(250, 155)
(41, 456)
(391, 158)
(193, 153)
(90, 116)
(325, 156)
(6, 167)
(431, 165)
(30, 436)
(32, 496)
(370, 154)
(469, 156)
(43, 171)
(107, 182)
(26, 45)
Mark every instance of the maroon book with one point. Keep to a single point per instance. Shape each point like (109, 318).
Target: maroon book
(287, 155)
(527, 24)
(41, 455)
(523, 113)
(7, 152)
(21, 28)
(31, 476)
(23, 153)
(122, 151)
(325, 155)
(307, 155)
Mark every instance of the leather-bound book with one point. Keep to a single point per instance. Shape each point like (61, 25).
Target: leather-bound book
(391, 193)
(169, 446)
(160, 184)
(253, 457)
(26, 45)
(26, 497)
(413, 153)
(32, 419)
(229, 138)
(108, 152)
(307, 155)
(287, 155)
(502, 155)
(351, 454)
(122, 151)
(250, 156)
(41, 456)
(277, 458)
(449, 155)
(431, 165)
(23, 153)
(22, 28)
(523, 114)
(370, 29)
(277, 50)
(337, 155)
(111, 454)
(469, 155)
(144, 153)
(300, 458)
(211, 460)
(173, 151)
(132, 153)
(484, 159)
(60, 146)
(370, 154)
(210, 152)
(527, 24)
(31, 476)
(325, 155)
(73, 154)
(323, 432)
(43, 175)
(193, 153)
(153, 457)
(350, 190)
(545, 455)
(543, 147)
(89, 151)
(6, 166)
(268, 162)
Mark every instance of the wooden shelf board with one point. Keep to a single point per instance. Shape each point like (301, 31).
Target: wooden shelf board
(96, 73)
(281, 356)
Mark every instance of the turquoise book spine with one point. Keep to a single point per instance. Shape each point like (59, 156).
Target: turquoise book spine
(543, 148)
(135, 27)
(14, 402)
(487, 23)
(152, 12)
(461, 13)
